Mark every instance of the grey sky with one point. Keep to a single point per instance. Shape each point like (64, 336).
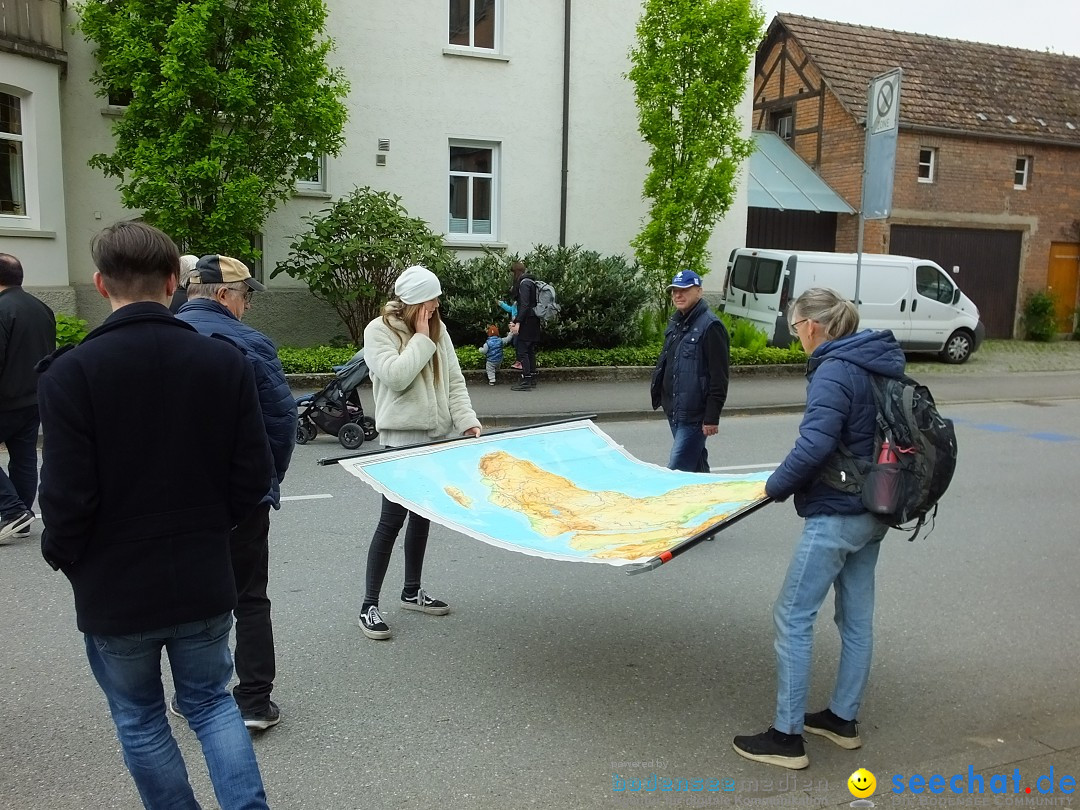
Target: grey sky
(1032, 24)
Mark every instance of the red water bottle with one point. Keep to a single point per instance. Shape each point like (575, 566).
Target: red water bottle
(881, 489)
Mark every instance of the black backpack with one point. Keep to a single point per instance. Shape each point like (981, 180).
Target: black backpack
(913, 471)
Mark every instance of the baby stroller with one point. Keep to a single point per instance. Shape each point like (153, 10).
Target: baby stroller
(336, 409)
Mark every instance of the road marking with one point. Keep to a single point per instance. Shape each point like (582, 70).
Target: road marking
(306, 497)
(744, 467)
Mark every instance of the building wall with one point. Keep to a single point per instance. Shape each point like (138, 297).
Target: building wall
(39, 239)
(409, 87)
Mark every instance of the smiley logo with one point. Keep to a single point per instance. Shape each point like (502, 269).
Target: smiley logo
(862, 784)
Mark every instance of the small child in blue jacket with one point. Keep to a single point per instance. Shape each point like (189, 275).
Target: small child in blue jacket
(493, 351)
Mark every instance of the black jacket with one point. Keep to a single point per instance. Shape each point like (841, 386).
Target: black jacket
(154, 449)
(27, 334)
(524, 293)
(691, 375)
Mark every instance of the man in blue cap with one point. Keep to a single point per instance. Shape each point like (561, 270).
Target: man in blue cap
(690, 380)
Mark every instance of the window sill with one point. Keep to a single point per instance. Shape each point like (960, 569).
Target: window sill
(27, 233)
(311, 193)
(475, 53)
(474, 244)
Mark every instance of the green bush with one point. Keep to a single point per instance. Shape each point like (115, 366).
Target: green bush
(1040, 316)
(743, 333)
(600, 297)
(69, 330)
(316, 360)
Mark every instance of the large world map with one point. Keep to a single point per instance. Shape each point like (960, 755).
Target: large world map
(565, 492)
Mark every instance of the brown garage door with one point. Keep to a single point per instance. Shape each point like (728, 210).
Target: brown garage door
(989, 263)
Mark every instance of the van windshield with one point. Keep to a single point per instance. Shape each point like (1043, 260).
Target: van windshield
(756, 275)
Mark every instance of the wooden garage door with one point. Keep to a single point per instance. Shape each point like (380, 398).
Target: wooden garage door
(989, 263)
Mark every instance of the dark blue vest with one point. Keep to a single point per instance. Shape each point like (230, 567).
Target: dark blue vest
(685, 372)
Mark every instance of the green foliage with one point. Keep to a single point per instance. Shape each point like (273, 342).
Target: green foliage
(743, 333)
(320, 359)
(315, 360)
(1040, 316)
(600, 297)
(229, 103)
(352, 253)
(689, 72)
(70, 330)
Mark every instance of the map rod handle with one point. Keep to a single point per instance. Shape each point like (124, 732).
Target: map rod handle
(690, 542)
(323, 462)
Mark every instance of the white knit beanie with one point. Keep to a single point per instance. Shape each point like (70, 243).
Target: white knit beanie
(417, 284)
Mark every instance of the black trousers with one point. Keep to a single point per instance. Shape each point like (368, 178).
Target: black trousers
(255, 665)
(526, 352)
(391, 520)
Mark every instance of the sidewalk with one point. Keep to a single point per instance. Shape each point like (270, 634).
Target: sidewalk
(1005, 371)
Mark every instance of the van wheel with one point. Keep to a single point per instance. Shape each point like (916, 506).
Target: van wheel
(958, 347)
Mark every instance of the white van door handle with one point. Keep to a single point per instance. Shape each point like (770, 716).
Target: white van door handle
(914, 303)
(903, 304)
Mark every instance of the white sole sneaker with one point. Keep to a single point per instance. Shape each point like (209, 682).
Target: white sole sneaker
(11, 532)
(850, 743)
(378, 635)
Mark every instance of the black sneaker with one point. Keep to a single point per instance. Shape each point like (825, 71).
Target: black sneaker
(827, 724)
(425, 604)
(10, 525)
(773, 748)
(260, 721)
(524, 384)
(371, 622)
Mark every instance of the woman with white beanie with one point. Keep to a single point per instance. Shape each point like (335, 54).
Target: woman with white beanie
(420, 396)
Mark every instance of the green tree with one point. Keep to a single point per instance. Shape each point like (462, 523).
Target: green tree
(689, 69)
(352, 253)
(228, 101)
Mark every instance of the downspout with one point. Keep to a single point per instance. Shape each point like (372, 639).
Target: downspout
(565, 123)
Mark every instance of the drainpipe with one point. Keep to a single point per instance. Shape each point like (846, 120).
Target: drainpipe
(565, 123)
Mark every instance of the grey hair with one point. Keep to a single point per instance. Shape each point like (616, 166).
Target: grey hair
(827, 307)
(210, 290)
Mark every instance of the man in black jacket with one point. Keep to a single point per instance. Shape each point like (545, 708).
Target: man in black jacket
(690, 380)
(149, 573)
(27, 334)
(525, 325)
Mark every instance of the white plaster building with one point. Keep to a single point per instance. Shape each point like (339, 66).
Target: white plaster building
(457, 106)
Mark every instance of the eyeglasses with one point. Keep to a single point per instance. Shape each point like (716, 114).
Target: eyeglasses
(247, 293)
(794, 326)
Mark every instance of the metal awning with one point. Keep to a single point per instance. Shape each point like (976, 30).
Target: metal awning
(780, 179)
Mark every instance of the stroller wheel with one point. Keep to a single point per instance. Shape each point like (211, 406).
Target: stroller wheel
(368, 425)
(305, 432)
(351, 436)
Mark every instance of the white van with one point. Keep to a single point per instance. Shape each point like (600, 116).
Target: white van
(914, 298)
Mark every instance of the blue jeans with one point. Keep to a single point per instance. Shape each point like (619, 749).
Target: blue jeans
(128, 669)
(18, 487)
(838, 551)
(688, 451)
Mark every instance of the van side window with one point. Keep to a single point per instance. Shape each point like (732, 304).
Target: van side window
(930, 282)
(740, 274)
(768, 276)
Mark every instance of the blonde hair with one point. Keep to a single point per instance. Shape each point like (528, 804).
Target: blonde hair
(836, 314)
(408, 314)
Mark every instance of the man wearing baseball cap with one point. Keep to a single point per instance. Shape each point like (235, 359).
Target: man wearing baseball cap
(690, 380)
(219, 293)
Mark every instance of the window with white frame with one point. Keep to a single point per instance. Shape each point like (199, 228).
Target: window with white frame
(311, 173)
(783, 124)
(1022, 172)
(474, 23)
(927, 164)
(473, 189)
(12, 170)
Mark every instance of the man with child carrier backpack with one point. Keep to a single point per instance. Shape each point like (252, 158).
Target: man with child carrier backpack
(535, 304)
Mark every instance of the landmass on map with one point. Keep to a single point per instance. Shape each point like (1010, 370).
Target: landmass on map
(606, 524)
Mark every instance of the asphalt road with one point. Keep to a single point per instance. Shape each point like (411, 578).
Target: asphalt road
(548, 679)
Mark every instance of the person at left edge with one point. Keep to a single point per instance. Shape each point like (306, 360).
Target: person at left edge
(690, 380)
(148, 573)
(219, 293)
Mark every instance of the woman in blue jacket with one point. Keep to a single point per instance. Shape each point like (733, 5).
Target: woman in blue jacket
(840, 539)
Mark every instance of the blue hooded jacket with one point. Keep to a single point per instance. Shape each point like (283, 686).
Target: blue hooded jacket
(840, 407)
(275, 397)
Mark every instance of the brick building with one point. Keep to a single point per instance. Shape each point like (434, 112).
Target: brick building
(987, 161)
